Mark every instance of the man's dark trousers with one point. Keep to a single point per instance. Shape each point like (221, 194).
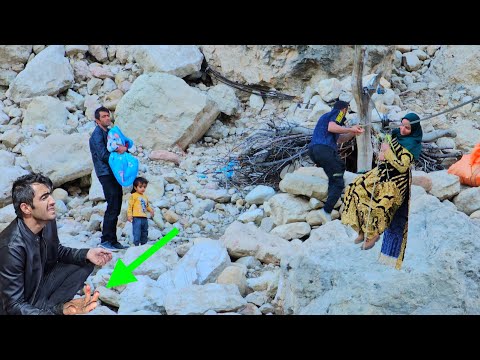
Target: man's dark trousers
(113, 194)
(61, 283)
(328, 159)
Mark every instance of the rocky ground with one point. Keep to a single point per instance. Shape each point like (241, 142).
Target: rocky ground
(250, 250)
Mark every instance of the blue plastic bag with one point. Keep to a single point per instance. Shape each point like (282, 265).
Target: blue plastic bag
(124, 166)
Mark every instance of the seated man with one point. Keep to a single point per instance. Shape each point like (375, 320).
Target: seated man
(37, 274)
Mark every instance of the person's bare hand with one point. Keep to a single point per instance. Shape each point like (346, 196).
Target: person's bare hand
(357, 129)
(384, 147)
(130, 218)
(381, 156)
(99, 256)
(82, 305)
(121, 149)
(152, 212)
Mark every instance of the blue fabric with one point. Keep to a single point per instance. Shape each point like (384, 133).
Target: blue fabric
(100, 154)
(124, 166)
(393, 236)
(321, 135)
(228, 170)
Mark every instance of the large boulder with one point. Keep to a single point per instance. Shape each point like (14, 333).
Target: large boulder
(201, 264)
(157, 264)
(161, 111)
(99, 52)
(48, 111)
(198, 299)
(300, 184)
(468, 201)
(6, 76)
(61, 157)
(286, 208)
(225, 98)
(9, 175)
(178, 60)
(331, 275)
(6, 158)
(467, 135)
(7, 214)
(49, 73)
(96, 191)
(14, 54)
(248, 240)
(444, 185)
(456, 64)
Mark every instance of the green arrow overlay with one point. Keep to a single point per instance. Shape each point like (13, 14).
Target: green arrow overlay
(124, 274)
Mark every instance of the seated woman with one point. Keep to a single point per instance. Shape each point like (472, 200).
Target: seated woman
(378, 200)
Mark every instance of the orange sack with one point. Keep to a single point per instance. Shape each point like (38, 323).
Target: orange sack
(468, 168)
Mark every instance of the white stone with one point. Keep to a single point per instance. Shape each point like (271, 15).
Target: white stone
(9, 175)
(225, 98)
(197, 299)
(178, 60)
(173, 112)
(49, 73)
(48, 111)
(292, 231)
(61, 157)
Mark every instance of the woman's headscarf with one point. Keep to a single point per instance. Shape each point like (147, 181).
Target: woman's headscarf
(412, 142)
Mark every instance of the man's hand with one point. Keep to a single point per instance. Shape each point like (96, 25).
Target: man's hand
(121, 149)
(152, 212)
(130, 218)
(381, 156)
(99, 256)
(81, 305)
(357, 130)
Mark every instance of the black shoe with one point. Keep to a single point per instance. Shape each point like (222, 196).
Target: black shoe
(119, 246)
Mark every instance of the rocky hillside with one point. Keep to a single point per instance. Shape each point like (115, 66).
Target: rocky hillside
(249, 250)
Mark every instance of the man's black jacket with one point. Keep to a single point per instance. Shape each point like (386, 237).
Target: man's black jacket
(24, 259)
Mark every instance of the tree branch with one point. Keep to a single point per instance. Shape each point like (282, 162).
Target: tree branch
(436, 134)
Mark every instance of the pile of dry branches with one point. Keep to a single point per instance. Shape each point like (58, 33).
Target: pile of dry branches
(282, 146)
(262, 156)
(432, 157)
(265, 156)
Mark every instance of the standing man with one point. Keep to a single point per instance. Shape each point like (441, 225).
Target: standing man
(323, 151)
(111, 188)
(39, 276)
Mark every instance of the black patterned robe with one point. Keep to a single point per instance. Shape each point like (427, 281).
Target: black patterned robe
(372, 199)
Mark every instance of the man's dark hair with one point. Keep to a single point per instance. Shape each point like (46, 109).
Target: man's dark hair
(339, 105)
(22, 190)
(139, 180)
(97, 112)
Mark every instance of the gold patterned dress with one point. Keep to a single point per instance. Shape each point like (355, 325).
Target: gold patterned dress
(372, 199)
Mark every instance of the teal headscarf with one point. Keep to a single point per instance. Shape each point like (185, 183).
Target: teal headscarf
(412, 142)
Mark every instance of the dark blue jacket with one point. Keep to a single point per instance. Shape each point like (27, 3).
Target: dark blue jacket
(321, 135)
(100, 154)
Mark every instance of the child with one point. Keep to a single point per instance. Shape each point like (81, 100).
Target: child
(137, 211)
